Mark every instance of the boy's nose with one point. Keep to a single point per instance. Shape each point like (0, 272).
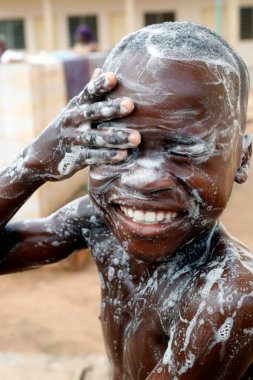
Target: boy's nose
(148, 180)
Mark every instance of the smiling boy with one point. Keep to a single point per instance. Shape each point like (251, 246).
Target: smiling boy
(177, 289)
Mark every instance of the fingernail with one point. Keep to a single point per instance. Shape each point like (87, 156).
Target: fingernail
(126, 105)
(134, 138)
(111, 77)
(105, 81)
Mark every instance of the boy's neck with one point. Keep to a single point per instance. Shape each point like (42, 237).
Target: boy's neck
(193, 254)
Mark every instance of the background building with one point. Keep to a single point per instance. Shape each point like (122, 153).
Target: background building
(48, 25)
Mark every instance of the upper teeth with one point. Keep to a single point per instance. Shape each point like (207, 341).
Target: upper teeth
(145, 216)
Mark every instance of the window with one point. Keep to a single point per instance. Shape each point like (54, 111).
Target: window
(14, 33)
(73, 22)
(156, 18)
(246, 22)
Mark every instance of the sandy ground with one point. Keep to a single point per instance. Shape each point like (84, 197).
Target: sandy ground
(55, 311)
(52, 311)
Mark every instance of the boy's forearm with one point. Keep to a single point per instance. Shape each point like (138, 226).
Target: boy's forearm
(33, 243)
(17, 184)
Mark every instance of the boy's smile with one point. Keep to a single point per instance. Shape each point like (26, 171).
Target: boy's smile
(177, 182)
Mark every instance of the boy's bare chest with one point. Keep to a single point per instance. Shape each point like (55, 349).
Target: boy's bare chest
(136, 319)
(137, 308)
(134, 309)
(134, 334)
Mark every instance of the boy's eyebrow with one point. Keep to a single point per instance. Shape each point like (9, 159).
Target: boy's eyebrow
(186, 139)
(170, 135)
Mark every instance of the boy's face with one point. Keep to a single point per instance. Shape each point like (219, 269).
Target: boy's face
(177, 182)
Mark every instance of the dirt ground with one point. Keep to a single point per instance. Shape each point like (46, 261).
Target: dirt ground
(55, 310)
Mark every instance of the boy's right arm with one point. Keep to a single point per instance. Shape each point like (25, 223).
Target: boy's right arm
(68, 144)
(36, 242)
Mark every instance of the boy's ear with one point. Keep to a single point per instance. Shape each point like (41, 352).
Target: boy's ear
(242, 172)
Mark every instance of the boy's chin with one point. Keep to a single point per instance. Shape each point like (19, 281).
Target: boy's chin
(148, 250)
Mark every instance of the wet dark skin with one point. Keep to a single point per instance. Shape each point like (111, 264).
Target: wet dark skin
(178, 303)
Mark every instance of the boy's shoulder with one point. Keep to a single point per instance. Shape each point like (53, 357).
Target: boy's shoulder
(235, 261)
(226, 280)
(214, 320)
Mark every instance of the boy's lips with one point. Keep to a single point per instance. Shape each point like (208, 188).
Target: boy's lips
(147, 219)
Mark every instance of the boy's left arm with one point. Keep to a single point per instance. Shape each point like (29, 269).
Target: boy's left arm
(212, 337)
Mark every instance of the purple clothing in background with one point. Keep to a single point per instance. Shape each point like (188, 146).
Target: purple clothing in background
(78, 71)
(77, 75)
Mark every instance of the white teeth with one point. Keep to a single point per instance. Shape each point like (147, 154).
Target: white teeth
(130, 213)
(138, 216)
(148, 217)
(168, 216)
(160, 216)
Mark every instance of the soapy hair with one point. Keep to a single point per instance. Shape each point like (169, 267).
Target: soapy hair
(189, 42)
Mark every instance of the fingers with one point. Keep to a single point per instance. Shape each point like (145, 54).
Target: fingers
(99, 112)
(103, 156)
(110, 109)
(99, 84)
(109, 138)
(80, 157)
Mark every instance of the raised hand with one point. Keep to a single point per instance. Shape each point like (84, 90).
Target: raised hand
(70, 142)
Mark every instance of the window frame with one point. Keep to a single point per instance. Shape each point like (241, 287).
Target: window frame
(9, 28)
(246, 33)
(161, 16)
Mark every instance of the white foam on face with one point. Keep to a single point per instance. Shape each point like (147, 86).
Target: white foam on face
(154, 46)
(141, 177)
(100, 175)
(150, 163)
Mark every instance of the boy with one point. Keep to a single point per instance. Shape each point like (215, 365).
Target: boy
(177, 289)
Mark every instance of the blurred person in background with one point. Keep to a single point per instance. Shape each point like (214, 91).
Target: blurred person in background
(85, 41)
